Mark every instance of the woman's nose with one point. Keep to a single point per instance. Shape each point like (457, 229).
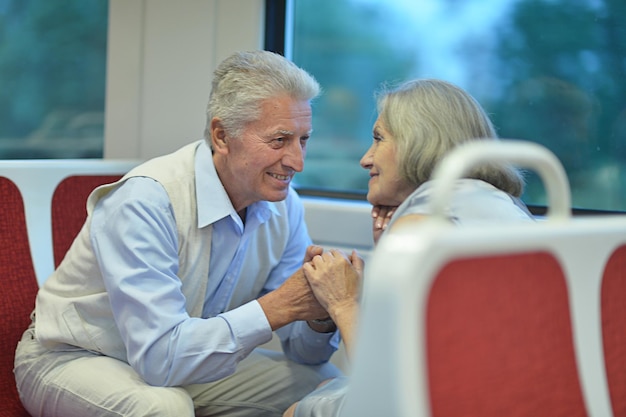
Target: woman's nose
(366, 160)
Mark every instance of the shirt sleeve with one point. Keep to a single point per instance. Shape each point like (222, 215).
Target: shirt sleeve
(134, 237)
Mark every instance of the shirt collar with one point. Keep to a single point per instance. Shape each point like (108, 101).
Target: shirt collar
(211, 197)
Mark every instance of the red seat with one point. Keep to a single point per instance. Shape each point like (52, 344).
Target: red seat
(450, 327)
(499, 339)
(18, 291)
(614, 328)
(69, 209)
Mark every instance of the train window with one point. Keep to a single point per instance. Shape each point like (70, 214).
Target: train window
(550, 71)
(52, 72)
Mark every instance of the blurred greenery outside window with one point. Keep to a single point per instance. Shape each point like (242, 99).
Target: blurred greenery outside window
(548, 71)
(52, 73)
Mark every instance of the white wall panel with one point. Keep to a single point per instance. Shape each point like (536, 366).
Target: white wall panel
(161, 55)
(123, 84)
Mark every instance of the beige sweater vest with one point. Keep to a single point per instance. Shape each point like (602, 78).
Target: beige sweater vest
(73, 308)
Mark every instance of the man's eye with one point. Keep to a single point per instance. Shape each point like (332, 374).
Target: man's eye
(278, 142)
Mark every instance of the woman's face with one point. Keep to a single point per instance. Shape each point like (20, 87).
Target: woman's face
(386, 187)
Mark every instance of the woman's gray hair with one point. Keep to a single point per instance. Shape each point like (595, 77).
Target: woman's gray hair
(243, 80)
(427, 119)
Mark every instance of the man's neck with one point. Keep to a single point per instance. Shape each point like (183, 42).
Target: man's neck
(242, 214)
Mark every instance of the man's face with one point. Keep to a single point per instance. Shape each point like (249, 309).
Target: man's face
(260, 164)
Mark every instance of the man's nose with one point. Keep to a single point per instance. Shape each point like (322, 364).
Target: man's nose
(294, 156)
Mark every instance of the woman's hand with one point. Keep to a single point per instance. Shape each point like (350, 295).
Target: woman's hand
(335, 279)
(336, 283)
(381, 216)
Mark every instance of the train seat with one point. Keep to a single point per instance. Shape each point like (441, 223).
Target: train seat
(494, 320)
(17, 296)
(37, 196)
(37, 181)
(613, 294)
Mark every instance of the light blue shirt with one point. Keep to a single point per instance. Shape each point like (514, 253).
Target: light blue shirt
(135, 240)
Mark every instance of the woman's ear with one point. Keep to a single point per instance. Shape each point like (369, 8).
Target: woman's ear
(218, 136)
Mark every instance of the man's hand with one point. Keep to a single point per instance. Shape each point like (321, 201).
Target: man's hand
(311, 252)
(294, 300)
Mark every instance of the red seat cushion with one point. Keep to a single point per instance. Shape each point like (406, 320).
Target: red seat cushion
(69, 209)
(614, 328)
(18, 291)
(499, 339)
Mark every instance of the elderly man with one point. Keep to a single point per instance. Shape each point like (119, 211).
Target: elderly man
(185, 266)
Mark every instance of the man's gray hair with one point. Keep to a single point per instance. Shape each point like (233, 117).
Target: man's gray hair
(245, 79)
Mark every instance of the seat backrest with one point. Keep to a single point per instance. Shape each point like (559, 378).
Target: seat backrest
(69, 209)
(37, 180)
(614, 328)
(499, 339)
(517, 321)
(18, 289)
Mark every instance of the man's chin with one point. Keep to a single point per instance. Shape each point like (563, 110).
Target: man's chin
(277, 195)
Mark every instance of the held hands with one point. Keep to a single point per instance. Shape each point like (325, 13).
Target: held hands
(295, 299)
(381, 215)
(335, 279)
(311, 252)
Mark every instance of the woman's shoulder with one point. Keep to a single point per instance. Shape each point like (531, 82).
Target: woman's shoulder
(476, 200)
(471, 200)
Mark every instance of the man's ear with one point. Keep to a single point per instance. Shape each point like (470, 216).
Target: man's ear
(218, 136)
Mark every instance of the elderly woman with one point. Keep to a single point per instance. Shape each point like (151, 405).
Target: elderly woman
(419, 122)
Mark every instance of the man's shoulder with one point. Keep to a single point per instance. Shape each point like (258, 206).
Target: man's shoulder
(174, 164)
